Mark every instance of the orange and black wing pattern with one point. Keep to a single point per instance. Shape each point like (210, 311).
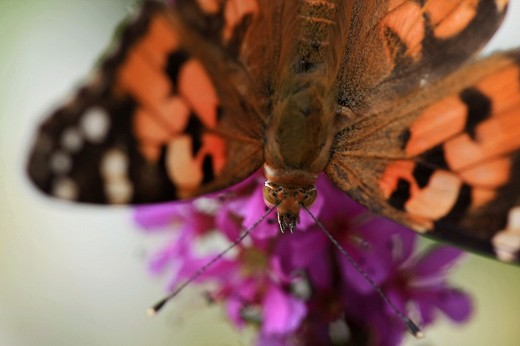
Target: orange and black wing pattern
(157, 122)
(463, 182)
(397, 46)
(444, 157)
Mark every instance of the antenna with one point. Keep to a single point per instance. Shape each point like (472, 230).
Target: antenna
(160, 304)
(410, 325)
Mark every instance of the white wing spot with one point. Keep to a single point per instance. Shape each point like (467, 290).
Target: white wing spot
(95, 124)
(65, 188)
(71, 140)
(60, 162)
(506, 243)
(114, 170)
(119, 190)
(114, 163)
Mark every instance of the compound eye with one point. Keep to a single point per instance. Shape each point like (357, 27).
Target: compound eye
(310, 197)
(270, 196)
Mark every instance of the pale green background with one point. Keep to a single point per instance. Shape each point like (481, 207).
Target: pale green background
(76, 275)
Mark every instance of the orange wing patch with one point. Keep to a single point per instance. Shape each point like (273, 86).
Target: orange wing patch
(405, 21)
(158, 41)
(154, 130)
(209, 6)
(502, 89)
(495, 137)
(423, 203)
(449, 17)
(234, 13)
(459, 150)
(409, 24)
(141, 75)
(151, 127)
(189, 171)
(491, 174)
(438, 122)
(196, 88)
(177, 105)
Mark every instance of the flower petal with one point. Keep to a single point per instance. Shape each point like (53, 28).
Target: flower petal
(234, 308)
(155, 216)
(282, 313)
(320, 273)
(437, 261)
(253, 211)
(228, 224)
(393, 243)
(369, 262)
(300, 249)
(272, 340)
(456, 305)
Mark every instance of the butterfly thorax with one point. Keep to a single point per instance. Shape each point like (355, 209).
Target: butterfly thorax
(298, 143)
(300, 127)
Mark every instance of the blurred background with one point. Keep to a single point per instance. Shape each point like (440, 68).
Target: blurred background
(78, 275)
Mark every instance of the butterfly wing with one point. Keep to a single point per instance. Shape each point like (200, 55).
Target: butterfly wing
(445, 160)
(158, 121)
(433, 149)
(407, 43)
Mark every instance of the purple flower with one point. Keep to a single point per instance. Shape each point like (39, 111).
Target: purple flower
(418, 283)
(423, 281)
(296, 286)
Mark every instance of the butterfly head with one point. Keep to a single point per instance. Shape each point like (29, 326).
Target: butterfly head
(288, 201)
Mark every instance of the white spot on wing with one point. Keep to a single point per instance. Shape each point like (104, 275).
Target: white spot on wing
(71, 140)
(506, 243)
(114, 170)
(425, 80)
(95, 124)
(119, 190)
(114, 163)
(65, 188)
(60, 163)
(514, 218)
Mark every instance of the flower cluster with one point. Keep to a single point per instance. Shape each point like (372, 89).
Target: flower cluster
(298, 288)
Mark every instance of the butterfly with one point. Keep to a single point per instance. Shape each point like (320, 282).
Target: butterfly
(385, 97)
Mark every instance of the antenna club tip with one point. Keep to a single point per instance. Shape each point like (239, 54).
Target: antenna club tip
(414, 328)
(151, 312)
(420, 335)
